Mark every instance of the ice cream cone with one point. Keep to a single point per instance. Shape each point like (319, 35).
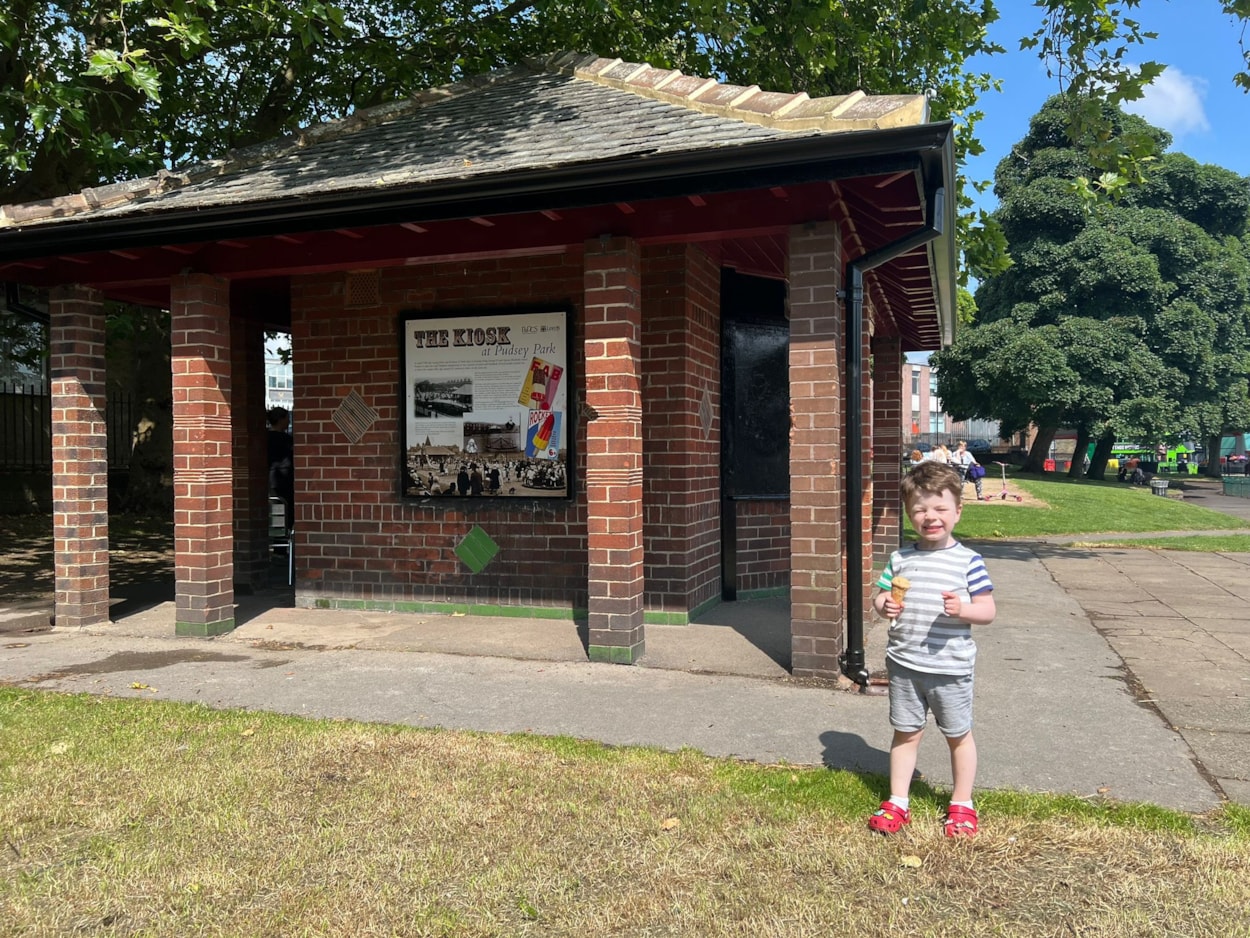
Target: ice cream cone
(899, 587)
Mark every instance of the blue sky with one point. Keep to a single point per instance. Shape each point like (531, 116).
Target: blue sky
(1195, 98)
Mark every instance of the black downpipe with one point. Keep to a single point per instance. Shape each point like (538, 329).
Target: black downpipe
(852, 660)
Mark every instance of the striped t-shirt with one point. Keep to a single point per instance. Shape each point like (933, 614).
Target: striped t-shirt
(924, 637)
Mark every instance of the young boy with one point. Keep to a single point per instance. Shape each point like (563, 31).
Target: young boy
(943, 590)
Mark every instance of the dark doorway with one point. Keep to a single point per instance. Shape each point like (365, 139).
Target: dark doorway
(755, 401)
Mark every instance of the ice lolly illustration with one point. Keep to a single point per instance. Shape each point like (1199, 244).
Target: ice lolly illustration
(542, 436)
(534, 390)
(899, 587)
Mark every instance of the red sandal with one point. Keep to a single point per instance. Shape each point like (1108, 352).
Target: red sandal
(959, 821)
(889, 818)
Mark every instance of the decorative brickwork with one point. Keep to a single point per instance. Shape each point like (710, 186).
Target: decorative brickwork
(250, 455)
(203, 469)
(79, 457)
(681, 358)
(816, 451)
(613, 312)
(887, 447)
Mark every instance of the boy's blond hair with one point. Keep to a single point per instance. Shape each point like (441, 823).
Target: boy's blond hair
(931, 478)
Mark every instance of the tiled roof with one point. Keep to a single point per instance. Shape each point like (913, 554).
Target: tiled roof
(564, 111)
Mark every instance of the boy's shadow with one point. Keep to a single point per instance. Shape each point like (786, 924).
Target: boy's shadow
(851, 753)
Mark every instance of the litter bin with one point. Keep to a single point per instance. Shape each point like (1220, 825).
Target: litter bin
(1159, 487)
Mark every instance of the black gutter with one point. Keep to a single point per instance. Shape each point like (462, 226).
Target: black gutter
(852, 660)
(647, 176)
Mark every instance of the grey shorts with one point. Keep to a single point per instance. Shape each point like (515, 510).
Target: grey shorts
(914, 693)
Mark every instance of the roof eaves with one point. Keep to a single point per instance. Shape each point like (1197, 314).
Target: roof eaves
(773, 162)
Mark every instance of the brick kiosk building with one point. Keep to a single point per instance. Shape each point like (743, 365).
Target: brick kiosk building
(619, 193)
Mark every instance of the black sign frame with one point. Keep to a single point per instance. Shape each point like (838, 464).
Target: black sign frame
(487, 404)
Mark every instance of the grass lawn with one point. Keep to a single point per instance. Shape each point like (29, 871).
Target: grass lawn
(148, 818)
(1064, 506)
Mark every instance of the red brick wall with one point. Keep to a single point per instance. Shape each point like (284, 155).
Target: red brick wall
(763, 546)
(355, 538)
(887, 446)
(681, 355)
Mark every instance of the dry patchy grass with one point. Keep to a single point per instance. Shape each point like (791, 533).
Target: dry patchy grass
(150, 818)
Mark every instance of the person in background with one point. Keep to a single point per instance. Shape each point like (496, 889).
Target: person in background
(963, 461)
(282, 461)
(916, 458)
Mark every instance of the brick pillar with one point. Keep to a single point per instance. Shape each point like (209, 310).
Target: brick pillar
(250, 455)
(79, 457)
(887, 446)
(816, 451)
(203, 474)
(614, 448)
(681, 404)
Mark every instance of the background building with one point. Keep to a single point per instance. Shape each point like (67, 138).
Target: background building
(924, 420)
(279, 373)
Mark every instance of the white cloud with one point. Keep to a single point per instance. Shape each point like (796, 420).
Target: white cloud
(1173, 101)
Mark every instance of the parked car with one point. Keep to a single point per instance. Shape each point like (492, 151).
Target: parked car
(923, 447)
(979, 446)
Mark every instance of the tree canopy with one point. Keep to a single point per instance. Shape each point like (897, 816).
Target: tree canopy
(1132, 321)
(94, 92)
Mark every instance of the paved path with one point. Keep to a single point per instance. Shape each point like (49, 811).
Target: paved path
(1177, 620)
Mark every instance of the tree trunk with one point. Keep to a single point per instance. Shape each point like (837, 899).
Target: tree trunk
(1214, 470)
(1038, 453)
(1102, 454)
(1077, 469)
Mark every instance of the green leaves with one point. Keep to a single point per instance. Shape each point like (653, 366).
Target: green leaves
(1133, 318)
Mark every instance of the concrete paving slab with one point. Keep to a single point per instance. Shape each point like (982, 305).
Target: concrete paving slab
(1160, 653)
(714, 649)
(1238, 790)
(1211, 714)
(1161, 627)
(1227, 627)
(1225, 755)
(1195, 678)
(1099, 607)
(37, 617)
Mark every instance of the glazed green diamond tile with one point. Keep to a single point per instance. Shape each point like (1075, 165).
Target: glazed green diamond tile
(477, 550)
